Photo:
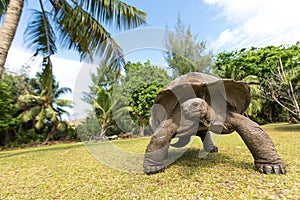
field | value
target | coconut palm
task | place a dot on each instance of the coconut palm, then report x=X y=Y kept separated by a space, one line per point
x=13 y=10
x=46 y=107
x=75 y=24
x=105 y=104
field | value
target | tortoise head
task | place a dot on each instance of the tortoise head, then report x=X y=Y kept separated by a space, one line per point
x=197 y=109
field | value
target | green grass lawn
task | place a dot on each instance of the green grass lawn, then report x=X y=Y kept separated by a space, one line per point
x=69 y=171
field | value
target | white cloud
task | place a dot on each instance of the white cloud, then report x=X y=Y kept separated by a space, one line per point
x=66 y=71
x=257 y=23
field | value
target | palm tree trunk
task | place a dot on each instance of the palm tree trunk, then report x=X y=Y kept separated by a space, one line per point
x=8 y=29
x=52 y=132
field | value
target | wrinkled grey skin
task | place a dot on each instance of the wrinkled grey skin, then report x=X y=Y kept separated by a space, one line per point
x=195 y=104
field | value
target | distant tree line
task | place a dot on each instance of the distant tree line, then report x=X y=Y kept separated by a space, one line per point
x=32 y=109
x=272 y=72
x=34 y=114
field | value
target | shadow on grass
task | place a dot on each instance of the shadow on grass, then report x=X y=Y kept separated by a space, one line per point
x=11 y=153
x=190 y=160
x=288 y=128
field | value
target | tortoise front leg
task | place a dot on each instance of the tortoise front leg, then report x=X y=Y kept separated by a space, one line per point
x=259 y=143
x=157 y=150
x=208 y=144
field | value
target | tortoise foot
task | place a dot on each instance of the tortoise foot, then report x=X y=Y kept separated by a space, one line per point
x=204 y=152
x=152 y=166
x=214 y=150
x=271 y=168
x=153 y=169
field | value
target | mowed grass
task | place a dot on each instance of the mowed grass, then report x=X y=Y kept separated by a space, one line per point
x=70 y=171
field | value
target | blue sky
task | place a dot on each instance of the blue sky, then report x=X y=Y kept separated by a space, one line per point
x=223 y=24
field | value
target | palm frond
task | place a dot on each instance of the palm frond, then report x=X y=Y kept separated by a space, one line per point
x=120 y=111
x=40 y=119
x=30 y=114
x=52 y=115
x=96 y=106
x=64 y=103
x=3 y=8
x=114 y=13
x=47 y=77
x=80 y=31
x=62 y=111
x=39 y=34
x=61 y=91
x=28 y=101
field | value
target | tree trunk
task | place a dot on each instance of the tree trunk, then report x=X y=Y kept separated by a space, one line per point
x=270 y=114
x=8 y=29
x=287 y=114
x=142 y=130
x=52 y=132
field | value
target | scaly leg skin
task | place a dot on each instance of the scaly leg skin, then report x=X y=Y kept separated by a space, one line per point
x=208 y=144
x=157 y=150
x=259 y=143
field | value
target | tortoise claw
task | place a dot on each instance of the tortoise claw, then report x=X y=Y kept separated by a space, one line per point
x=271 y=168
x=153 y=169
x=268 y=169
x=282 y=167
x=214 y=150
x=276 y=170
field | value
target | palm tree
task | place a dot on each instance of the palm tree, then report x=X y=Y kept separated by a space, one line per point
x=13 y=10
x=75 y=24
x=104 y=101
x=45 y=108
x=103 y=106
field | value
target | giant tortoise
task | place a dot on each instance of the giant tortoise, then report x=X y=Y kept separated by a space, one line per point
x=197 y=103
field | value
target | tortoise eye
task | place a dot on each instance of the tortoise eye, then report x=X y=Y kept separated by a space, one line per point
x=195 y=104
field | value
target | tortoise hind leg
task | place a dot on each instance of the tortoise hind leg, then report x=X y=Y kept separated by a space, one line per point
x=208 y=144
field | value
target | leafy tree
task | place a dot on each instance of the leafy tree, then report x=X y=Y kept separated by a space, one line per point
x=16 y=84
x=7 y=110
x=79 y=25
x=140 y=85
x=277 y=71
x=141 y=102
x=185 y=53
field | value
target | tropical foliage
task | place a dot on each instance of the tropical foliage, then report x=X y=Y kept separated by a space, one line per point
x=140 y=85
x=76 y=25
x=46 y=108
x=79 y=25
x=277 y=71
x=103 y=102
x=30 y=111
x=7 y=110
x=185 y=53
x=122 y=104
